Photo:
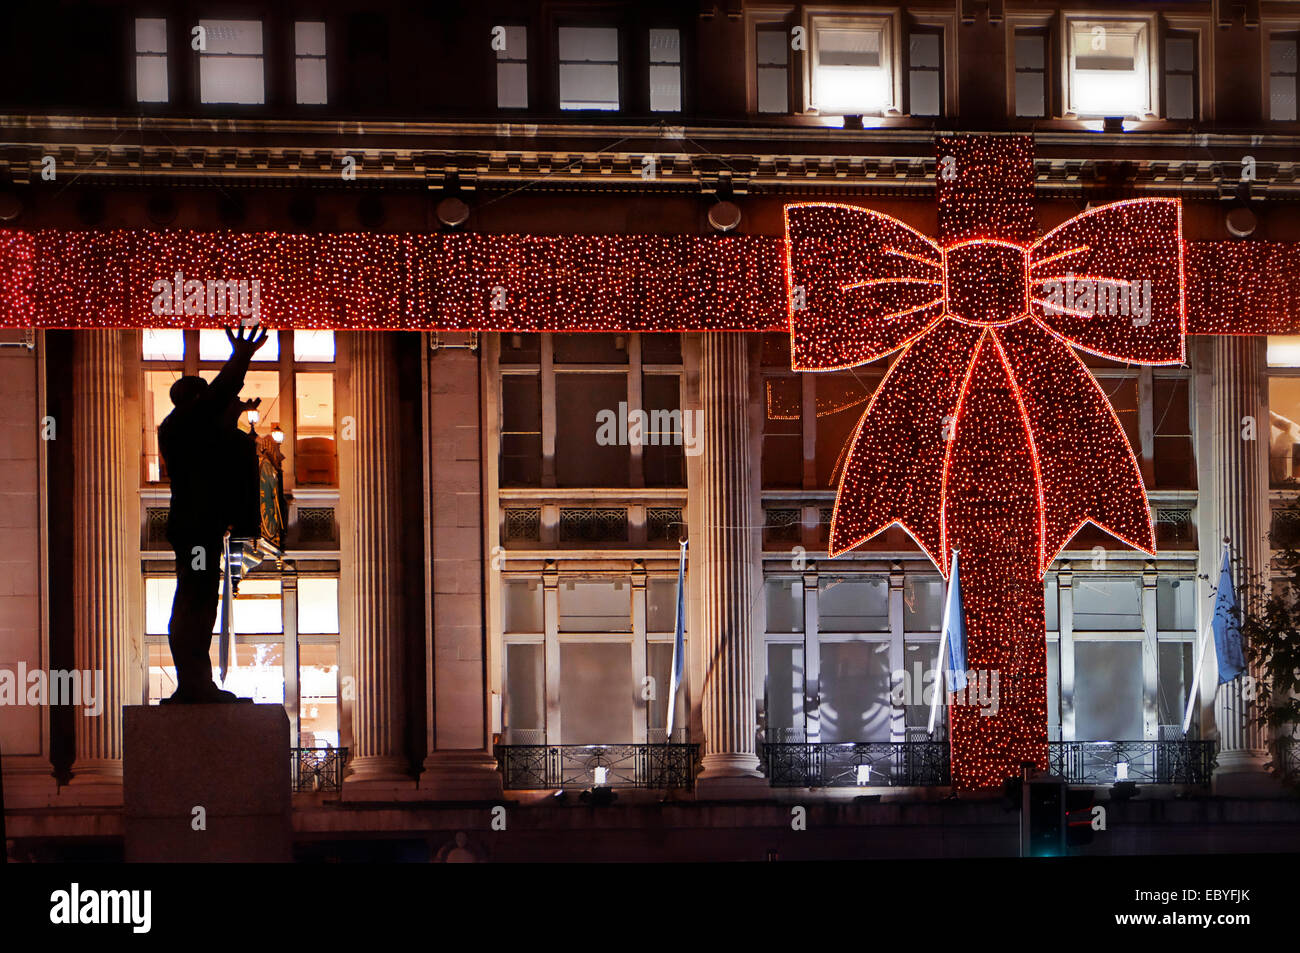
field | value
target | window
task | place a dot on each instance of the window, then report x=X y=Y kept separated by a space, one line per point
x=852 y=604
x=783 y=695
x=309 y=63
x=512 y=69
x=1108 y=690
x=1282 y=65
x=784 y=601
x=316 y=460
x=852 y=68
x=772 y=65
x=589 y=68
x=1284 y=435
x=782 y=461
x=230 y=65
x=854 y=680
x=1031 y=73
x=925 y=73
x=1180 y=76
x=1175 y=463
x=665 y=71
x=150 y=60
x=1107 y=604
x=1110 y=72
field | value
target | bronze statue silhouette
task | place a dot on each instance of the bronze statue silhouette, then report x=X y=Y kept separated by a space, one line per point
x=213 y=469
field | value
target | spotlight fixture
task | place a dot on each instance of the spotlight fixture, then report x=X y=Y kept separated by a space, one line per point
x=452 y=212
x=1241 y=222
x=724 y=216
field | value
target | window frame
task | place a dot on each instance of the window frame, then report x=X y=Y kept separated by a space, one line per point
x=1267 y=30
x=1146 y=45
x=621 y=65
x=498 y=60
x=137 y=55
x=884 y=20
x=262 y=59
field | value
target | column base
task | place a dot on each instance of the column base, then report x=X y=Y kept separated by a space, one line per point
x=461 y=776
x=731 y=777
x=95 y=782
x=378 y=778
x=29 y=785
x=1241 y=773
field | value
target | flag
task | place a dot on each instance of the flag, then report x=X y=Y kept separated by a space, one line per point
x=679 y=636
x=1229 y=645
x=954 y=630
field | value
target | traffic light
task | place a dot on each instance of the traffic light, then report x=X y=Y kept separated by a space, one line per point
x=1078 y=816
x=1044 y=806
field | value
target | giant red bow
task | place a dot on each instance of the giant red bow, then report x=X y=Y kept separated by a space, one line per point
x=1108 y=281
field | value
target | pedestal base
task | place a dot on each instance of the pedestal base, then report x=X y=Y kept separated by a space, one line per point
x=207 y=783
x=1242 y=774
x=731 y=777
x=461 y=776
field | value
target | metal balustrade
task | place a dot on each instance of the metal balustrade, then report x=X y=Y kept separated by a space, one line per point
x=316 y=769
x=1170 y=761
x=656 y=766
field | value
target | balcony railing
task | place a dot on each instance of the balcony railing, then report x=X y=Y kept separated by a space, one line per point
x=1145 y=762
x=856 y=764
x=1287 y=758
x=316 y=769
x=655 y=766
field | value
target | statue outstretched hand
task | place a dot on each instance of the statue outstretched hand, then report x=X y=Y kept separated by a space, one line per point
x=246 y=347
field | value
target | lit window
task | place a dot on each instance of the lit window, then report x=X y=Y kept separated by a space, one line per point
x=773 y=70
x=230 y=66
x=162 y=344
x=1031 y=74
x=214 y=346
x=150 y=60
x=595 y=605
x=1180 y=76
x=318 y=605
x=588 y=67
x=665 y=71
x=315 y=460
x=318 y=694
x=1110 y=72
x=512 y=69
x=1284 y=350
x=1282 y=66
x=1284 y=429
x=309 y=63
x=851 y=67
x=925 y=73
x=312 y=345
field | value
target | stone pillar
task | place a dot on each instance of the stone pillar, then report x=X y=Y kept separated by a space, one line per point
x=724 y=560
x=1242 y=510
x=459 y=765
x=378 y=720
x=101 y=591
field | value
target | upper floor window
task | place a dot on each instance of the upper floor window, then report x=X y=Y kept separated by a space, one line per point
x=852 y=71
x=925 y=73
x=1109 y=67
x=512 y=68
x=309 y=63
x=231 y=62
x=1031 y=73
x=665 y=71
x=1180 y=76
x=1282 y=66
x=150 y=60
x=772 y=68
x=589 y=68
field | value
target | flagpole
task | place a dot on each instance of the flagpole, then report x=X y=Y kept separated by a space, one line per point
x=1200 y=664
x=940 y=683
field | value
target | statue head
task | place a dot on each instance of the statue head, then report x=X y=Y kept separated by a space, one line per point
x=187 y=389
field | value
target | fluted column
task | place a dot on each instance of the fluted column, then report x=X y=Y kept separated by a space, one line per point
x=1243 y=517
x=100 y=572
x=725 y=563
x=378 y=719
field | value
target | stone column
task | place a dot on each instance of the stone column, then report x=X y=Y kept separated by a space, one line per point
x=459 y=765
x=1242 y=510
x=378 y=718
x=101 y=591
x=724 y=560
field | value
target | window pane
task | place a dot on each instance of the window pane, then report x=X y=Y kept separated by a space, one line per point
x=1176 y=604
x=525 y=708
x=773 y=91
x=1030 y=98
x=663 y=450
x=318 y=693
x=257 y=384
x=783 y=432
x=1107 y=604
x=512 y=85
x=1281 y=97
x=214 y=346
x=314 y=458
x=233 y=36
x=855 y=691
x=150 y=35
x=1107 y=691
x=591 y=447
x=665 y=46
x=258 y=608
x=590 y=349
x=596 y=693
x=924 y=50
x=784 y=693
x=312 y=345
x=665 y=89
x=595 y=606
x=521 y=430
x=771 y=47
x=1052 y=603
x=661 y=604
x=231 y=79
x=784 y=599
x=1281 y=55
x=659 y=666
x=318 y=605
x=163 y=344
x=837 y=47
x=1054 y=690
x=256 y=672
x=516 y=47
x=1029 y=51
x=589 y=43
x=1284 y=350
x=1178 y=97
x=924 y=92
x=1175 y=666
x=151 y=79
x=1284 y=430
x=162 y=672
x=310 y=82
x=923 y=604
x=158 y=595
x=852 y=604
x=156 y=405
x=1175 y=464
x=523 y=605
x=309 y=38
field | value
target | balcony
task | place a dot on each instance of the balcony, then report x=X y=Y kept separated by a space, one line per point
x=1145 y=762
x=655 y=766
x=316 y=769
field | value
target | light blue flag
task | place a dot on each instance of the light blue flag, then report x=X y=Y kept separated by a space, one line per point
x=1229 y=645
x=679 y=637
x=954 y=628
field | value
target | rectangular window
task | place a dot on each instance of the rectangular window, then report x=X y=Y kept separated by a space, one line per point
x=853 y=604
x=661 y=604
x=512 y=69
x=784 y=703
x=851 y=66
x=312 y=345
x=855 y=696
x=1107 y=604
x=1110 y=72
x=310 y=79
x=589 y=68
x=1031 y=73
x=595 y=704
x=150 y=60
x=1180 y=76
x=157 y=404
x=525 y=708
x=665 y=71
x=230 y=67
x=782 y=462
x=662 y=451
x=1282 y=66
x=318 y=694
x=521 y=430
x=591 y=447
x=784 y=601
x=1284 y=431
x=314 y=459
x=659 y=666
x=318 y=605
x=925 y=73
x=523 y=606
x=1174 y=464
x=215 y=346
x=1107 y=691
x=1174 y=666
x=923 y=604
x=1176 y=604
x=595 y=605
x=772 y=63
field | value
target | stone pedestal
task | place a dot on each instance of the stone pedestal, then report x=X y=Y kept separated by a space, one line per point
x=230 y=760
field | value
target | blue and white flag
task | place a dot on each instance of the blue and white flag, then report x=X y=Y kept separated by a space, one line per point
x=679 y=636
x=954 y=630
x=1229 y=645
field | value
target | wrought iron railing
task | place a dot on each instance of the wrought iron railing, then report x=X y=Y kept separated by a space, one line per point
x=1287 y=758
x=1145 y=762
x=317 y=769
x=856 y=764
x=583 y=766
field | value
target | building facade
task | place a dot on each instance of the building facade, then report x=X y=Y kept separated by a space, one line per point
x=477 y=596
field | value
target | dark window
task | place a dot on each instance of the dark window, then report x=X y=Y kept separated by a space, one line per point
x=512 y=68
x=1180 y=76
x=1282 y=62
x=591 y=446
x=662 y=453
x=590 y=348
x=1031 y=73
x=1175 y=463
x=841 y=402
x=782 y=432
x=521 y=430
x=665 y=71
x=773 y=70
x=925 y=73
